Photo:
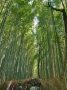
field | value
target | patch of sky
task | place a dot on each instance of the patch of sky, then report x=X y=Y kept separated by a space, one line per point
x=36 y=21
x=30 y=2
x=46 y=0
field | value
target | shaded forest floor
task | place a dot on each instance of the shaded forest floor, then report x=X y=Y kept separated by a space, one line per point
x=50 y=84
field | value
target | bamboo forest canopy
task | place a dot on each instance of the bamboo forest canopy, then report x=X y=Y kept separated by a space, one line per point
x=32 y=39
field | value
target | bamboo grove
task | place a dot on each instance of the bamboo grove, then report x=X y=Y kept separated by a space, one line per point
x=32 y=39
